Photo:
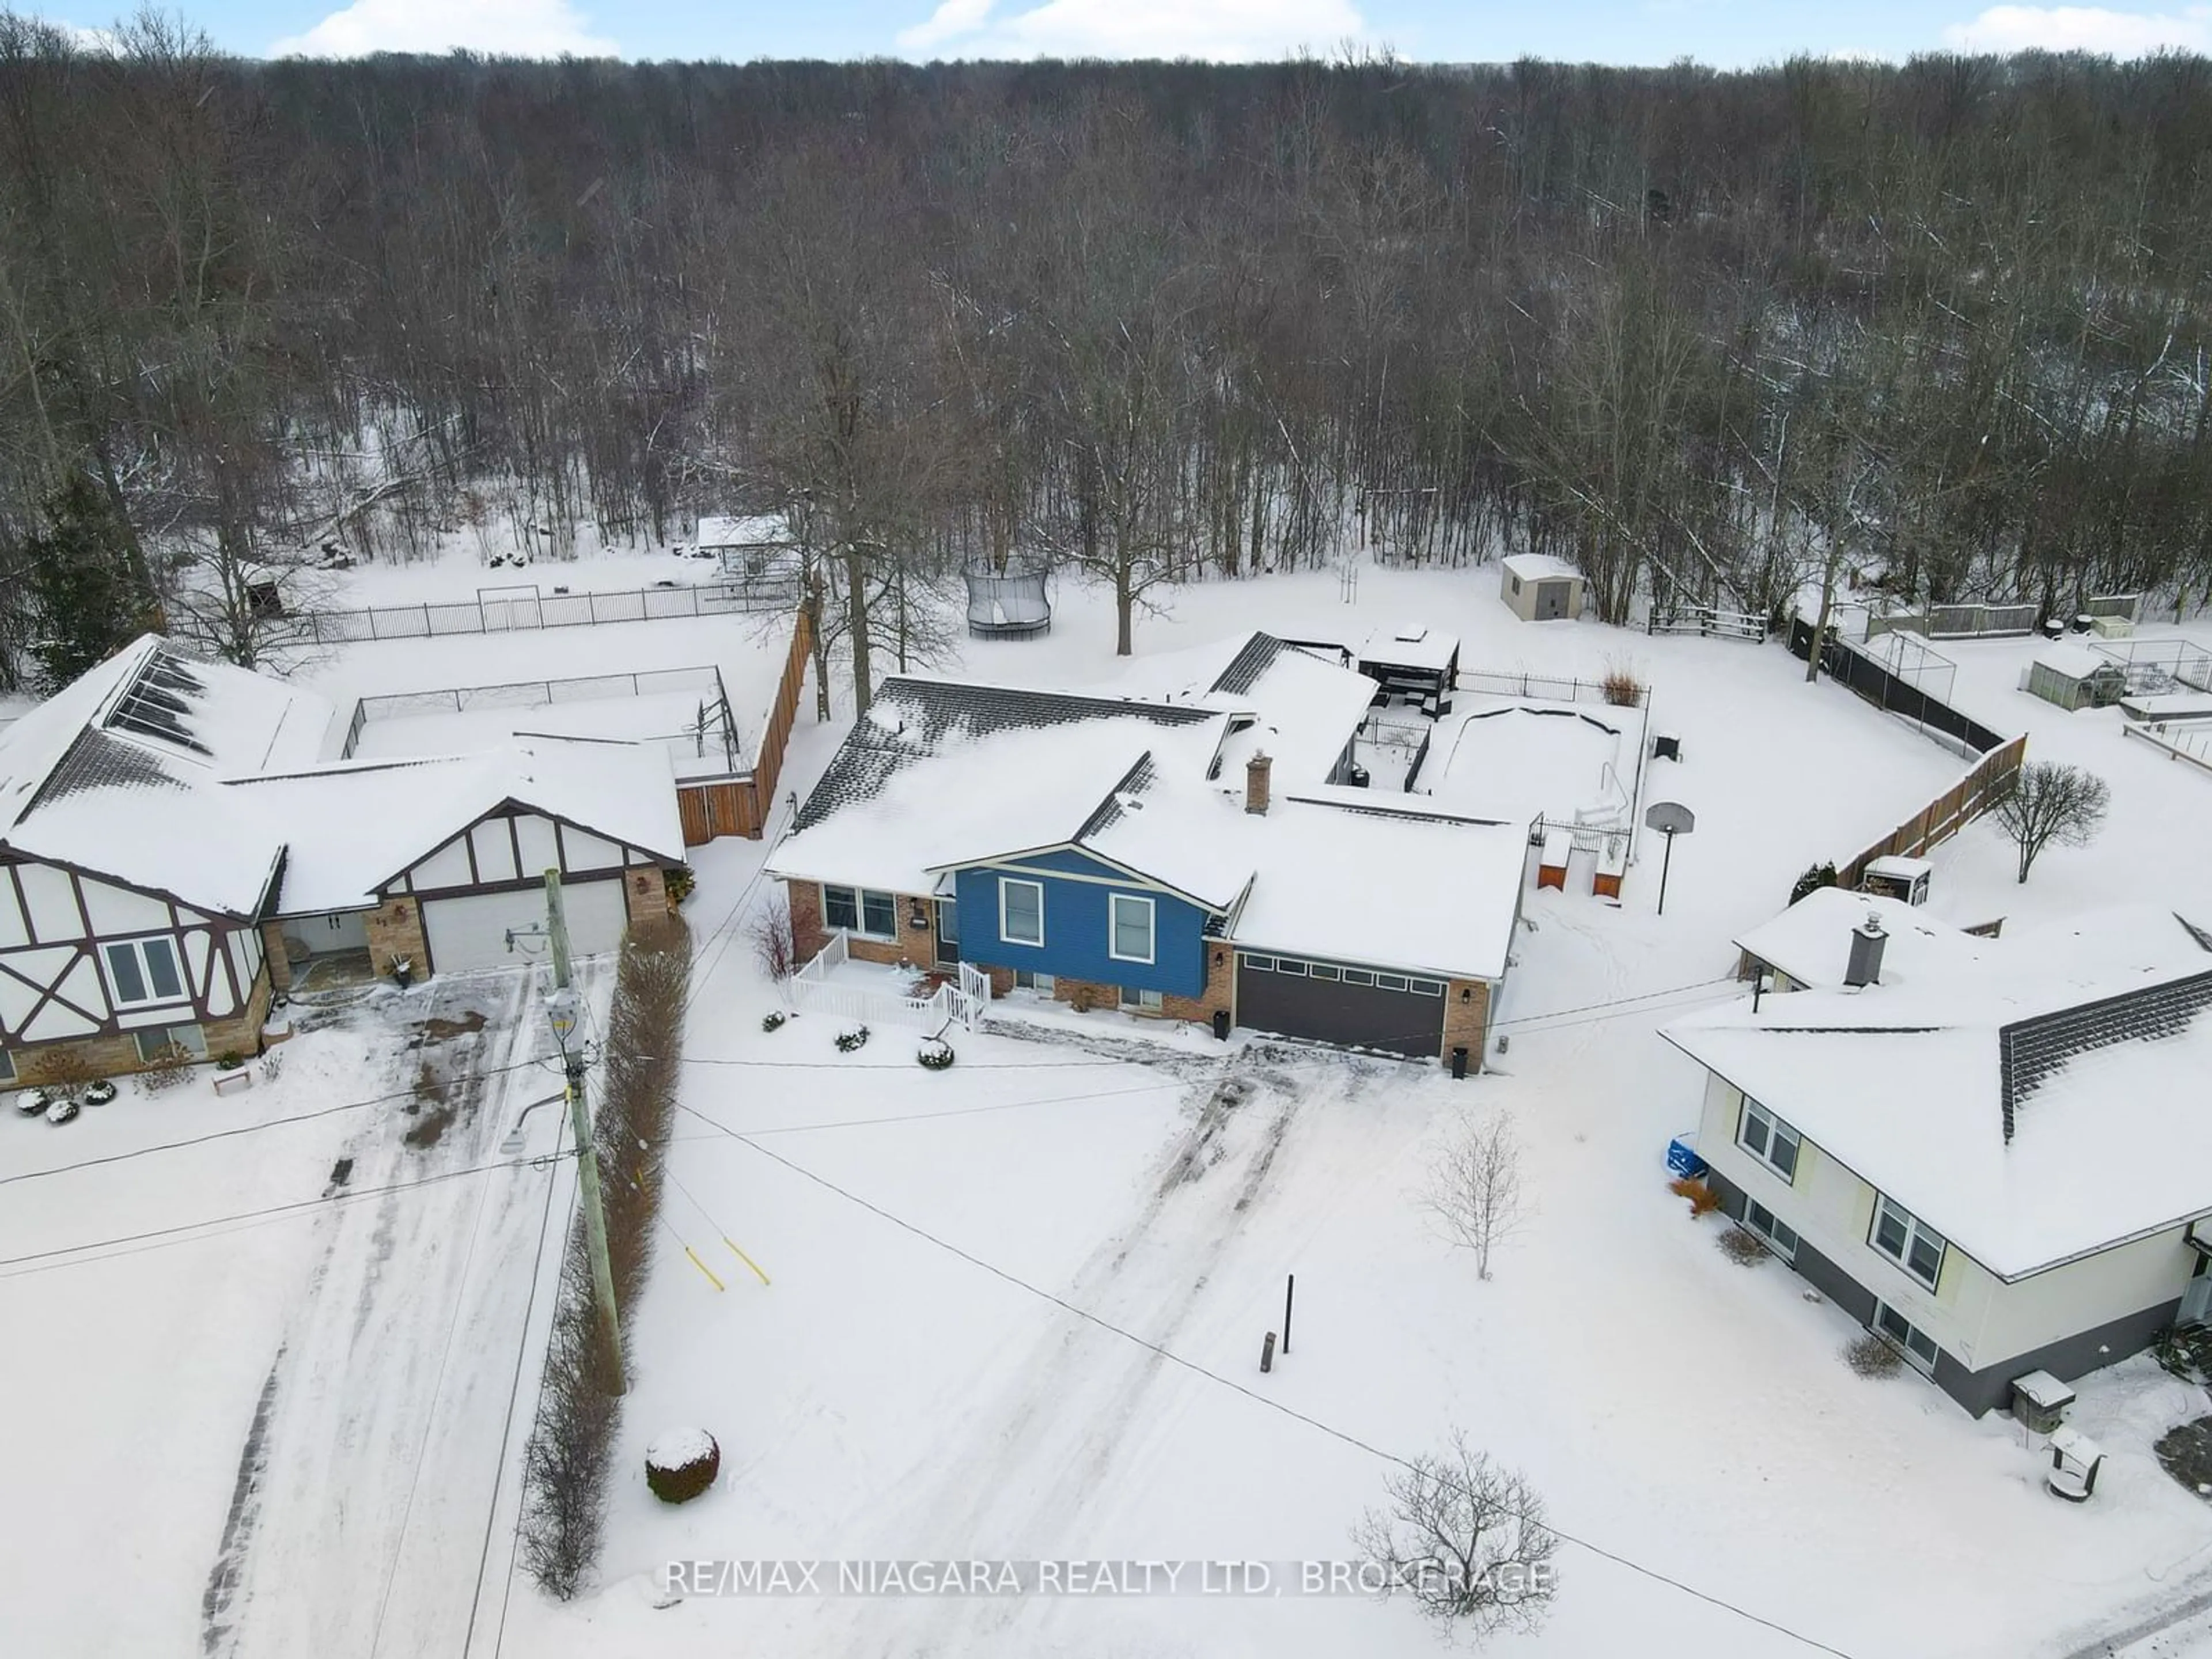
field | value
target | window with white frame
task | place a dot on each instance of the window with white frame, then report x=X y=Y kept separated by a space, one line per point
x=1136 y=997
x=878 y=914
x=860 y=910
x=1910 y=1242
x=1128 y=927
x=142 y=970
x=1021 y=911
x=1772 y=1228
x=1916 y=1344
x=157 y=1042
x=1768 y=1139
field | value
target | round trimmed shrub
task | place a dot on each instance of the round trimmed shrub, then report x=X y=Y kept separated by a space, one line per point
x=681 y=1464
x=100 y=1093
x=935 y=1055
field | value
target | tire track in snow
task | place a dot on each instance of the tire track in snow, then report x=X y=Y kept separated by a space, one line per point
x=1024 y=1475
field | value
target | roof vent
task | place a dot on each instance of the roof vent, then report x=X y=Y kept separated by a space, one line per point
x=1868 y=941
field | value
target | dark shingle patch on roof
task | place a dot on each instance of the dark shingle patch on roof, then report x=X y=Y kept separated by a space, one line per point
x=2204 y=939
x=96 y=761
x=2030 y=1050
x=159 y=700
x=1246 y=667
x=1133 y=783
x=911 y=719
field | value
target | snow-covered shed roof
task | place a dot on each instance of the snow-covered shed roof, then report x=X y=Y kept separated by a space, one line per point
x=118 y=774
x=352 y=827
x=2074 y=661
x=745 y=530
x=1811 y=941
x=1540 y=567
x=2038 y=1105
x=1410 y=645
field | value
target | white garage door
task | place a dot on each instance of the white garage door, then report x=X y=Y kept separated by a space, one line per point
x=469 y=933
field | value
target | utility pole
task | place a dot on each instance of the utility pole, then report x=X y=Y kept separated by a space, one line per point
x=562 y=1009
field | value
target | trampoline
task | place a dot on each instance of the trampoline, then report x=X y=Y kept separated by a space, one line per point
x=1009 y=603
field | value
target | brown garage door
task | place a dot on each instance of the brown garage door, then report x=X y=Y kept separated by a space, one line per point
x=1335 y=1002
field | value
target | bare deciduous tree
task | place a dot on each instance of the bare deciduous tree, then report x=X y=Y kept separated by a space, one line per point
x=1466 y=1537
x=2050 y=802
x=1475 y=1189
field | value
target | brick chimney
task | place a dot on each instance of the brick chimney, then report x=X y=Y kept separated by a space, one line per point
x=1256 y=773
x=1867 y=942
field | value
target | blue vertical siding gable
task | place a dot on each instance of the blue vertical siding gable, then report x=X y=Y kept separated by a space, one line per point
x=1077 y=926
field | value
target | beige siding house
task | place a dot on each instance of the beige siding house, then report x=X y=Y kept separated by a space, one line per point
x=2001 y=1168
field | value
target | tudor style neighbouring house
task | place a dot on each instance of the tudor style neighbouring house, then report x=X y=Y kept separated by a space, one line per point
x=169 y=846
x=1999 y=1158
x=1198 y=856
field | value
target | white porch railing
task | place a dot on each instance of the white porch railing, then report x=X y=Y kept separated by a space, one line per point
x=813 y=992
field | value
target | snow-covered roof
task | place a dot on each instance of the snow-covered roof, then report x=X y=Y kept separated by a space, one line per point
x=351 y=828
x=1305 y=708
x=1410 y=645
x=1811 y=941
x=940 y=772
x=2074 y=661
x=747 y=529
x=2041 y=1102
x=1899 y=867
x=118 y=774
x=1540 y=567
x=939 y=775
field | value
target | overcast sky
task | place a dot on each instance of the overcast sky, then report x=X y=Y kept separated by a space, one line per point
x=1726 y=32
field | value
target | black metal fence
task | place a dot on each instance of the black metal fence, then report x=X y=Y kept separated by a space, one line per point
x=507 y=611
x=1892 y=687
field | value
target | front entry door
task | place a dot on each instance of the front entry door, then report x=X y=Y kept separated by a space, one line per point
x=2197 y=1300
x=948 y=931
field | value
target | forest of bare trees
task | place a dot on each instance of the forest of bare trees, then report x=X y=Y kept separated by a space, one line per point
x=1944 y=325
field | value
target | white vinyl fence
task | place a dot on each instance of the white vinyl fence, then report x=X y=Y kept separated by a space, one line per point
x=814 y=992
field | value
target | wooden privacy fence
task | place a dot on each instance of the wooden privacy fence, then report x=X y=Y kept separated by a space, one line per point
x=743 y=805
x=1982 y=788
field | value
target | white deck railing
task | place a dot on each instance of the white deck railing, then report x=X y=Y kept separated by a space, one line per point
x=814 y=992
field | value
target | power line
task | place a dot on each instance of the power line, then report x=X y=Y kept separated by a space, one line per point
x=1310 y=1421
x=42 y=1260
x=244 y=1129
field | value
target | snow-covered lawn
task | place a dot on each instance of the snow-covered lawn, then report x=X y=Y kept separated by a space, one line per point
x=1015 y=1307
x=917 y=1381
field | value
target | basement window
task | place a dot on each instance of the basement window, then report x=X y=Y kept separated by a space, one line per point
x=1772 y=1228
x=1909 y=1339
x=159 y=1042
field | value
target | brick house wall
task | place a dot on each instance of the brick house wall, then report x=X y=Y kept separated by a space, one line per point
x=1220 y=993
x=810 y=933
x=1466 y=1020
x=395 y=931
x=117 y=1055
x=645 y=889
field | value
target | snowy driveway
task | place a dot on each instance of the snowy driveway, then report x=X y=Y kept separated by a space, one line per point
x=365 y=1489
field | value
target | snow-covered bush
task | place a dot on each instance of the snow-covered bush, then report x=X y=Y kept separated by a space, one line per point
x=1746 y=1250
x=1869 y=1356
x=855 y=1038
x=773 y=1020
x=681 y=1464
x=100 y=1093
x=935 y=1054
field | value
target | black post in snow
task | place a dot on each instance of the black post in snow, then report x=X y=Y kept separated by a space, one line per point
x=1290 y=1289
